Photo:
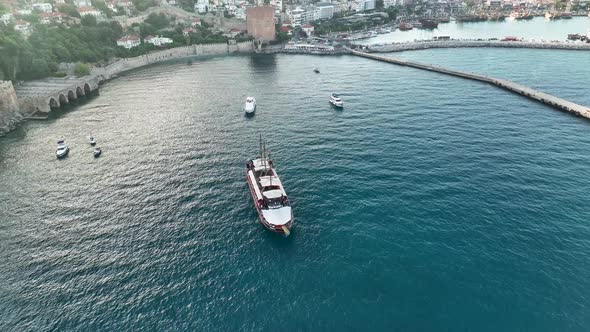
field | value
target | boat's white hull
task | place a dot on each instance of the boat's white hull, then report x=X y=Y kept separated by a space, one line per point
x=251 y=110
x=336 y=104
x=62 y=153
x=250 y=105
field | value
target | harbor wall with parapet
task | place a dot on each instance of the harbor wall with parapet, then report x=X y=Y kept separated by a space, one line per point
x=9 y=108
x=122 y=65
x=422 y=45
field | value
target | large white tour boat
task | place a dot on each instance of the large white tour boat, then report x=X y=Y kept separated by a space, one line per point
x=270 y=199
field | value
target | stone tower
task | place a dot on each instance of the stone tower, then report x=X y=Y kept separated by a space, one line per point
x=9 y=114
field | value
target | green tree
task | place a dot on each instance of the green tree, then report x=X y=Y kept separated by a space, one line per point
x=147 y=30
x=81 y=69
x=102 y=6
x=69 y=9
x=88 y=20
x=158 y=21
x=142 y=5
x=379 y=4
x=39 y=68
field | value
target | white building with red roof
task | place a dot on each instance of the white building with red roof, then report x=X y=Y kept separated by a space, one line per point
x=23 y=27
x=54 y=17
x=82 y=3
x=43 y=7
x=157 y=40
x=84 y=11
x=308 y=29
x=129 y=41
x=187 y=31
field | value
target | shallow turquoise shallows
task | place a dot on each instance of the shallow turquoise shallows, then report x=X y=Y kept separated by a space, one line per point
x=429 y=203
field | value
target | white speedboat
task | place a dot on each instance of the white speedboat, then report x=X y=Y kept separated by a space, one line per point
x=91 y=140
x=250 y=105
x=97 y=152
x=270 y=199
x=62 y=149
x=336 y=101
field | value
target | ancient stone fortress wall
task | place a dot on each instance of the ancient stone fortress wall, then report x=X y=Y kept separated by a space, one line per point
x=122 y=65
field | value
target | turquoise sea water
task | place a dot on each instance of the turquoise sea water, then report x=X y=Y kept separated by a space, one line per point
x=430 y=203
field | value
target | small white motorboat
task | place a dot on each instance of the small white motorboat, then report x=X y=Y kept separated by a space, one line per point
x=97 y=152
x=250 y=105
x=62 y=149
x=91 y=140
x=336 y=101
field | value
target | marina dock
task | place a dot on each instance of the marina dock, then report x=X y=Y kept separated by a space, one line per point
x=522 y=90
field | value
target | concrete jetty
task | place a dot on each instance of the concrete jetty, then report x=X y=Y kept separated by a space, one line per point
x=542 y=97
x=467 y=43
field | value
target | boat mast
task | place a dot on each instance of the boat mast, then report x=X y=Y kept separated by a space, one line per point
x=272 y=173
x=264 y=156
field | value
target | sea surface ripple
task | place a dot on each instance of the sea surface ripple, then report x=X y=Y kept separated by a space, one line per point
x=430 y=203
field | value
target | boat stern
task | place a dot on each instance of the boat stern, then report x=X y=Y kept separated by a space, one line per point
x=279 y=220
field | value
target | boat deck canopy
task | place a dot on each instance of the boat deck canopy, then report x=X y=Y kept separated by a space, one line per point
x=266 y=181
x=259 y=166
x=256 y=189
x=275 y=193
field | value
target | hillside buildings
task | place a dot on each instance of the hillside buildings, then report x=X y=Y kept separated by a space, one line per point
x=157 y=40
x=363 y=5
x=91 y=11
x=201 y=6
x=323 y=11
x=42 y=7
x=129 y=41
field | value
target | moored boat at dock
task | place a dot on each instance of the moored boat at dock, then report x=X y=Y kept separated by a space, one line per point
x=270 y=199
x=429 y=23
x=405 y=26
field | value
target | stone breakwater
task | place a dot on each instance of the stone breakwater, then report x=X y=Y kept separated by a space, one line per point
x=42 y=95
x=422 y=45
x=522 y=90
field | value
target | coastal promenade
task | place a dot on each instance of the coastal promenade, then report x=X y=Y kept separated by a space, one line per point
x=465 y=43
x=522 y=90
